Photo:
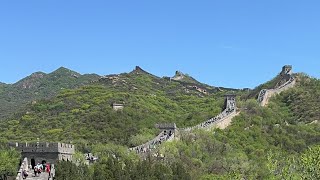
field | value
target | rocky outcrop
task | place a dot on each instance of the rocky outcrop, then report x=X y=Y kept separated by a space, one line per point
x=178 y=76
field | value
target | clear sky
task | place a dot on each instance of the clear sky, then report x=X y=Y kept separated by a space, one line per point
x=229 y=43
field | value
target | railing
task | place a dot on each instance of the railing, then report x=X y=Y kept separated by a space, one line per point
x=23 y=167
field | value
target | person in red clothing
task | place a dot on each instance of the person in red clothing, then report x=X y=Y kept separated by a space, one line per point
x=48 y=169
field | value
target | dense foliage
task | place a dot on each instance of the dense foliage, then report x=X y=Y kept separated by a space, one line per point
x=85 y=116
x=9 y=161
x=112 y=168
x=39 y=85
x=242 y=150
x=280 y=141
x=304 y=100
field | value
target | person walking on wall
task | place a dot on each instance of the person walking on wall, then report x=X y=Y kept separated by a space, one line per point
x=48 y=169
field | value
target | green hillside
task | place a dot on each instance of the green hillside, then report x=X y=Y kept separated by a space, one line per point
x=261 y=143
x=84 y=115
x=39 y=85
x=280 y=141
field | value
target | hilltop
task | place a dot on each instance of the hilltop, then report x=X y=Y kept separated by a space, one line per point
x=37 y=86
x=40 y=85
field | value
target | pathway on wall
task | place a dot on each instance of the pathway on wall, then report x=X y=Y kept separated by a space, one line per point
x=220 y=120
x=152 y=144
x=31 y=176
x=43 y=176
x=266 y=94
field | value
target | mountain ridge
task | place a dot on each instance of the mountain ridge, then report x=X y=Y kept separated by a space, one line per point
x=39 y=85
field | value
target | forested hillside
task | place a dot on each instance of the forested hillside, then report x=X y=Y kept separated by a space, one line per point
x=85 y=115
x=280 y=141
x=39 y=85
x=273 y=142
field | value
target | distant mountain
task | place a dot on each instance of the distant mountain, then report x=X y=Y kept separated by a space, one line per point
x=193 y=84
x=39 y=85
x=142 y=81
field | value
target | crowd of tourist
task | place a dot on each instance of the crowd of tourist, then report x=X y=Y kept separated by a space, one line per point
x=147 y=147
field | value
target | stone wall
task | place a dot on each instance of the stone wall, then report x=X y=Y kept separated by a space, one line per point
x=152 y=144
x=266 y=94
x=38 y=157
x=226 y=121
x=287 y=81
x=169 y=130
x=221 y=120
x=23 y=167
x=44 y=151
x=43 y=147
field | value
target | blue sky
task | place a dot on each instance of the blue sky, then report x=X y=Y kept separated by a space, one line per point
x=223 y=43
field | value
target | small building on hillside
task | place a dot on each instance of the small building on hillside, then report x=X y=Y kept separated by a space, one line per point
x=117 y=106
x=39 y=152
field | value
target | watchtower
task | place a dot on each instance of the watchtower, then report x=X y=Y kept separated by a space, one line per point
x=285 y=75
x=230 y=102
x=169 y=128
x=39 y=152
x=287 y=69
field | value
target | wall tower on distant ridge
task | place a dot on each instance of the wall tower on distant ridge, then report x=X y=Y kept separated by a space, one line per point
x=287 y=69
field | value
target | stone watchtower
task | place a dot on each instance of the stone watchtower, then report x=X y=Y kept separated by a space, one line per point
x=287 y=69
x=167 y=128
x=230 y=102
x=39 y=152
x=285 y=75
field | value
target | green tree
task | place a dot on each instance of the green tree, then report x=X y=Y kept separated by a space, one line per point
x=9 y=161
x=310 y=162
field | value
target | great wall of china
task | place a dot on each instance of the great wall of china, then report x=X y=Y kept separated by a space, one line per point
x=290 y=81
x=170 y=132
x=222 y=120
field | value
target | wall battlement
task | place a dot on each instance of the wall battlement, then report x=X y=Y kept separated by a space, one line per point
x=287 y=69
x=44 y=147
x=44 y=151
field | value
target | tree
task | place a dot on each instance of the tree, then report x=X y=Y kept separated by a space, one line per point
x=310 y=162
x=9 y=161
